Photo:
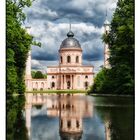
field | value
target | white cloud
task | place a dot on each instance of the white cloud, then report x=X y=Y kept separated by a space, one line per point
x=51 y=32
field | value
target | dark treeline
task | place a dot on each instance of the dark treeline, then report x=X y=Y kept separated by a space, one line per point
x=120 y=78
x=38 y=75
x=18 y=43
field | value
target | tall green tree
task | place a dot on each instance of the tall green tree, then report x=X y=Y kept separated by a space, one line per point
x=120 y=78
x=18 y=43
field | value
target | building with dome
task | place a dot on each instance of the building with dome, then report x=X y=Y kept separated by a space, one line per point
x=68 y=74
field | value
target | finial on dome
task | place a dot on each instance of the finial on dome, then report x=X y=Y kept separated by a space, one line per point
x=70 y=25
x=70 y=33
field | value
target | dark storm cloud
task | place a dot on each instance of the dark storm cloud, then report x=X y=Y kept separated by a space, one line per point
x=83 y=11
x=44 y=56
x=49 y=21
x=93 y=55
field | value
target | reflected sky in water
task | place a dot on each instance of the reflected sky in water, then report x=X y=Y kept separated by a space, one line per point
x=77 y=117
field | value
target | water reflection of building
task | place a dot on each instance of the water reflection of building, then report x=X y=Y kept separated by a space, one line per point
x=70 y=109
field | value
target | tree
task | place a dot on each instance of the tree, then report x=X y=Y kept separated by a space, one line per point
x=38 y=75
x=121 y=42
x=33 y=74
x=120 y=78
x=101 y=82
x=18 y=43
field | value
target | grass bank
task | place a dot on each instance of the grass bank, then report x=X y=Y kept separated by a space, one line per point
x=59 y=91
x=109 y=95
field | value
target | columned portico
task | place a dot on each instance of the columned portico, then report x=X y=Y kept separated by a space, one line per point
x=67 y=81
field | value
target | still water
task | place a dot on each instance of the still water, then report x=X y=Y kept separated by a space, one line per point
x=79 y=117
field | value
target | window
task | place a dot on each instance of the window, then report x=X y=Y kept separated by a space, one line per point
x=86 y=76
x=68 y=59
x=77 y=59
x=52 y=77
x=86 y=85
x=42 y=85
x=36 y=85
x=61 y=60
x=53 y=84
x=69 y=124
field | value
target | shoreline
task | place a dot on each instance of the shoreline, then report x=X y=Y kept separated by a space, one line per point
x=78 y=92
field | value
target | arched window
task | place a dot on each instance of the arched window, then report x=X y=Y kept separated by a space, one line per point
x=86 y=85
x=42 y=85
x=68 y=59
x=36 y=85
x=52 y=77
x=61 y=59
x=53 y=84
x=86 y=76
x=77 y=59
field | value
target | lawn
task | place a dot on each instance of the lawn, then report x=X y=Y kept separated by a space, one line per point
x=58 y=91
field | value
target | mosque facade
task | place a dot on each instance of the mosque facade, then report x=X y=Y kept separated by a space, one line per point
x=70 y=73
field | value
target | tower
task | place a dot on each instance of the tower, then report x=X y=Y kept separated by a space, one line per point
x=106 y=46
x=28 y=76
x=70 y=74
x=70 y=54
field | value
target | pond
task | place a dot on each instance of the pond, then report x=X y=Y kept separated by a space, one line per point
x=79 y=117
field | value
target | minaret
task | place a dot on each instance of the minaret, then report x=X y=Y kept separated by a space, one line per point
x=106 y=46
x=28 y=76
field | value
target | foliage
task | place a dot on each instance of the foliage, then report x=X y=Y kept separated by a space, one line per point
x=33 y=73
x=45 y=75
x=120 y=78
x=100 y=81
x=18 y=43
x=38 y=75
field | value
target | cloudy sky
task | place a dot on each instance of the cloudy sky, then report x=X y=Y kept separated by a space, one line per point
x=49 y=21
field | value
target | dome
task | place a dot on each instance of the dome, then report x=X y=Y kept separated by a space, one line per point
x=70 y=41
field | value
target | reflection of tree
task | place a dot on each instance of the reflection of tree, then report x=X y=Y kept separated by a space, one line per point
x=21 y=133
x=119 y=127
